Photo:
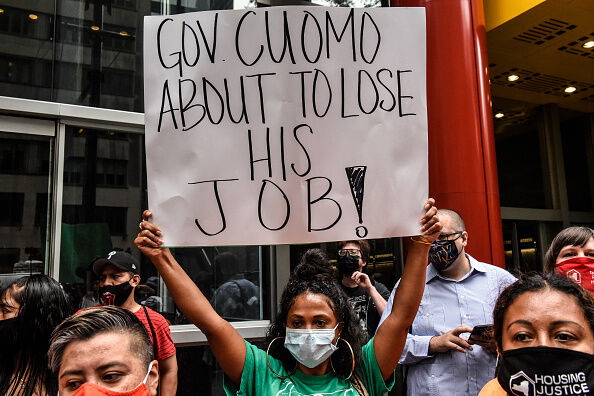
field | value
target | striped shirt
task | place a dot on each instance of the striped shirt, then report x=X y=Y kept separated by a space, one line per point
x=165 y=347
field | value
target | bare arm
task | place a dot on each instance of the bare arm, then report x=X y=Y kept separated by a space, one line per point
x=227 y=345
x=168 y=376
x=391 y=336
x=364 y=282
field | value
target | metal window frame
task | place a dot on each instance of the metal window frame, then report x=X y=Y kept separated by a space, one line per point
x=190 y=335
x=50 y=119
x=35 y=127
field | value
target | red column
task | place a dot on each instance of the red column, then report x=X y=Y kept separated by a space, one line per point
x=462 y=165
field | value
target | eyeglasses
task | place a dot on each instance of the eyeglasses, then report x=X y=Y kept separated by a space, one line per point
x=450 y=237
x=350 y=252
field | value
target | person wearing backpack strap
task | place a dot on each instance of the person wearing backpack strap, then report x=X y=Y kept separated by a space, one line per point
x=119 y=276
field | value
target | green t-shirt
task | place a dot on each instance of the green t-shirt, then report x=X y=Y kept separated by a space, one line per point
x=257 y=379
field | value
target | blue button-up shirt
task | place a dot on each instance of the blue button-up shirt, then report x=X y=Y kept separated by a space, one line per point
x=447 y=304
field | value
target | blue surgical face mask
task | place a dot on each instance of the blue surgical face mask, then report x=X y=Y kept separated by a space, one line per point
x=310 y=347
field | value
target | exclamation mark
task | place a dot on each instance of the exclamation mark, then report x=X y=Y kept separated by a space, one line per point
x=356 y=177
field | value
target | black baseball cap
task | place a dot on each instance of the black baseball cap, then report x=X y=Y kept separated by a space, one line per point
x=121 y=260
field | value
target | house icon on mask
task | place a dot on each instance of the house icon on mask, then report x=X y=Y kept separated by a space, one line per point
x=522 y=385
x=575 y=276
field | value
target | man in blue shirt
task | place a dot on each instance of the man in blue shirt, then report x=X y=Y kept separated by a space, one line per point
x=460 y=293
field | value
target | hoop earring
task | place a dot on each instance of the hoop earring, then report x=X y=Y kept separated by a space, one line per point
x=268 y=362
x=352 y=356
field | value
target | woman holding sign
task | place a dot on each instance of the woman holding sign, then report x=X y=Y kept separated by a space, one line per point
x=322 y=350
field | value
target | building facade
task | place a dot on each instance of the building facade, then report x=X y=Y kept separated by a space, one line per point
x=73 y=172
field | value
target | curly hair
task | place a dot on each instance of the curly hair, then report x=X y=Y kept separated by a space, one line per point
x=535 y=282
x=314 y=274
x=43 y=305
x=570 y=236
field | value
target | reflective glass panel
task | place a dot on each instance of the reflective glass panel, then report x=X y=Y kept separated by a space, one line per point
x=384 y=265
x=25 y=185
x=233 y=279
x=521 y=164
x=103 y=198
x=578 y=158
x=80 y=52
x=525 y=244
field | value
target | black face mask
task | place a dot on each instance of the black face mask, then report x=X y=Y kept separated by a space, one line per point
x=347 y=264
x=8 y=326
x=115 y=295
x=442 y=254
x=546 y=371
x=8 y=329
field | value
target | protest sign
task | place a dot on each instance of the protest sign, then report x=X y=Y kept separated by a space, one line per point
x=286 y=124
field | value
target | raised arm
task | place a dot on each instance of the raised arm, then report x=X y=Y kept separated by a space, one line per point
x=363 y=281
x=227 y=345
x=391 y=336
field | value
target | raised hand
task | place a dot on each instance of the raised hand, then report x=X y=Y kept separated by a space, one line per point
x=149 y=239
x=430 y=225
x=362 y=280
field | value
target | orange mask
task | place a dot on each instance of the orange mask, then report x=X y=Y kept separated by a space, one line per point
x=91 y=389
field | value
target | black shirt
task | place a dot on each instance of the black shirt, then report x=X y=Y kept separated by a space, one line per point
x=364 y=307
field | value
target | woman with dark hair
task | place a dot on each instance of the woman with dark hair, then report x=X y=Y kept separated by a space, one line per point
x=32 y=307
x=544 y=332
x=571 y=255
x=315 y=346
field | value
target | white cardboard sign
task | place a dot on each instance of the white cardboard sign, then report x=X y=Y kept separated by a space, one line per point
x=286 y=124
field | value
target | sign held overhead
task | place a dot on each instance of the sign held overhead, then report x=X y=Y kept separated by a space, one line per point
x=286 y=124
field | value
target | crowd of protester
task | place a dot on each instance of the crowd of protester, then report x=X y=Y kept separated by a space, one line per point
x=455 y=325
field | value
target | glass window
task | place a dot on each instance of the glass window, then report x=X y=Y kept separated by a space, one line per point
x=578 y=158
x=25 y=185
x=521 y=168
x=103 y=199
x=525 y=244
x=80 y=52
x=352 y=3
x=233 y=278
x=385 y=261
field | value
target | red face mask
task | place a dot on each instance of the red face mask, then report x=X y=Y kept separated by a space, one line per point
x=90 y=389
x=580 y=270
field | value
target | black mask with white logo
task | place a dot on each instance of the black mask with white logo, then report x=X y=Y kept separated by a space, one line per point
x=347 y=264
x=115 y=295
x=544 y=370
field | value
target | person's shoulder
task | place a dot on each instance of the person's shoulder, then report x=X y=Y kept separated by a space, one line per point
x=486 y=267
x=155 y=316
x=492 y=388
x=499 y=275
x=229 y=287
x=494 y=268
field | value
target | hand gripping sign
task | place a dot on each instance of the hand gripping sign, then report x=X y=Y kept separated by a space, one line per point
x=286 y=124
